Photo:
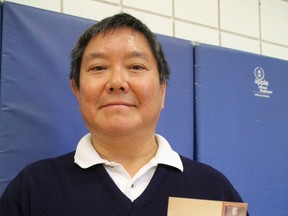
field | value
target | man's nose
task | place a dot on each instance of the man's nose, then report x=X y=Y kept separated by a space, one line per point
x=117 y=82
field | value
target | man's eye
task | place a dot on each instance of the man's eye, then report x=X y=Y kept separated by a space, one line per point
x=137 y=67
x=97 y=68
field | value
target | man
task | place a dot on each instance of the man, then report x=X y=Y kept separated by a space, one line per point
x=119 y=75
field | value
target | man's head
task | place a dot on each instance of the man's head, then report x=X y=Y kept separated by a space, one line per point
x=112 y=24
x=119 y=77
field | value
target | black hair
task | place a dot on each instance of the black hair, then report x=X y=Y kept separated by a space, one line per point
x=113 y=23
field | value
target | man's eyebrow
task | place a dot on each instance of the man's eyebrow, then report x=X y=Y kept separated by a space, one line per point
x=94 y=55
x=101 y=55
x=138 y=54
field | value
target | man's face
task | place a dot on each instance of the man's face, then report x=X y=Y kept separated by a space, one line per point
x=120 y=92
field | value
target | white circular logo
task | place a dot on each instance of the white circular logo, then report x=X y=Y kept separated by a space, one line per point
x=259 y=73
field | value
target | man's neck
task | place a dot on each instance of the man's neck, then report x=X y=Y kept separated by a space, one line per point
x=131 y=153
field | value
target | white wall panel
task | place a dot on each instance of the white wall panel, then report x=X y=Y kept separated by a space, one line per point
x=196 y=33
x=163 y=7
x=111 y=1
x=240 y=43
x=275 y=51
x=89 y=9
x=240 y=16
x=52 y=5
x=204 y=12
x=274 y=17
x=157 y=24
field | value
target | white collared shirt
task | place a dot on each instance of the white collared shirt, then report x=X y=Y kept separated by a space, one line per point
x=86 y=156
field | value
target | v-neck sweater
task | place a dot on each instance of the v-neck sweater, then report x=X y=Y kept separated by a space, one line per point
x=58 y=187
x=87 y=156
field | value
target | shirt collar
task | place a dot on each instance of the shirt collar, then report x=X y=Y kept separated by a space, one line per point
x=166 y=155
x=86 y=156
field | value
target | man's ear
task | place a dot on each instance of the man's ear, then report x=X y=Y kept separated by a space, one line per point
x=74 y=88
x=163 y=89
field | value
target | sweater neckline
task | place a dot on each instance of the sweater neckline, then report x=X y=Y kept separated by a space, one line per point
x=122 y=199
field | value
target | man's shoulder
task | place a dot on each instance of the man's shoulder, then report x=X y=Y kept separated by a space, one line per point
x=202 y=181
x=203 y=171
x=192 y=164
x=45 y=166
x=43 y=172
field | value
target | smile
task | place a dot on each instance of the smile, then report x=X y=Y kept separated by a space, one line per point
x=117 y=105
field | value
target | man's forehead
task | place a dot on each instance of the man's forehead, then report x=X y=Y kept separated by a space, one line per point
x=96 y=48
x=131 y=54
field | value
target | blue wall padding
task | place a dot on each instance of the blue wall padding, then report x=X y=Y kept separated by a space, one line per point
x=0 y=50
x=176 y=121
x=241 y=131
x=40 y=116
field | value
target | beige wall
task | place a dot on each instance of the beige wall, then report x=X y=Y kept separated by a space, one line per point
x=258 y=26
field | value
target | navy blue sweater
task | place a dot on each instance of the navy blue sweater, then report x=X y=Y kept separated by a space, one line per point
x=58 y=187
